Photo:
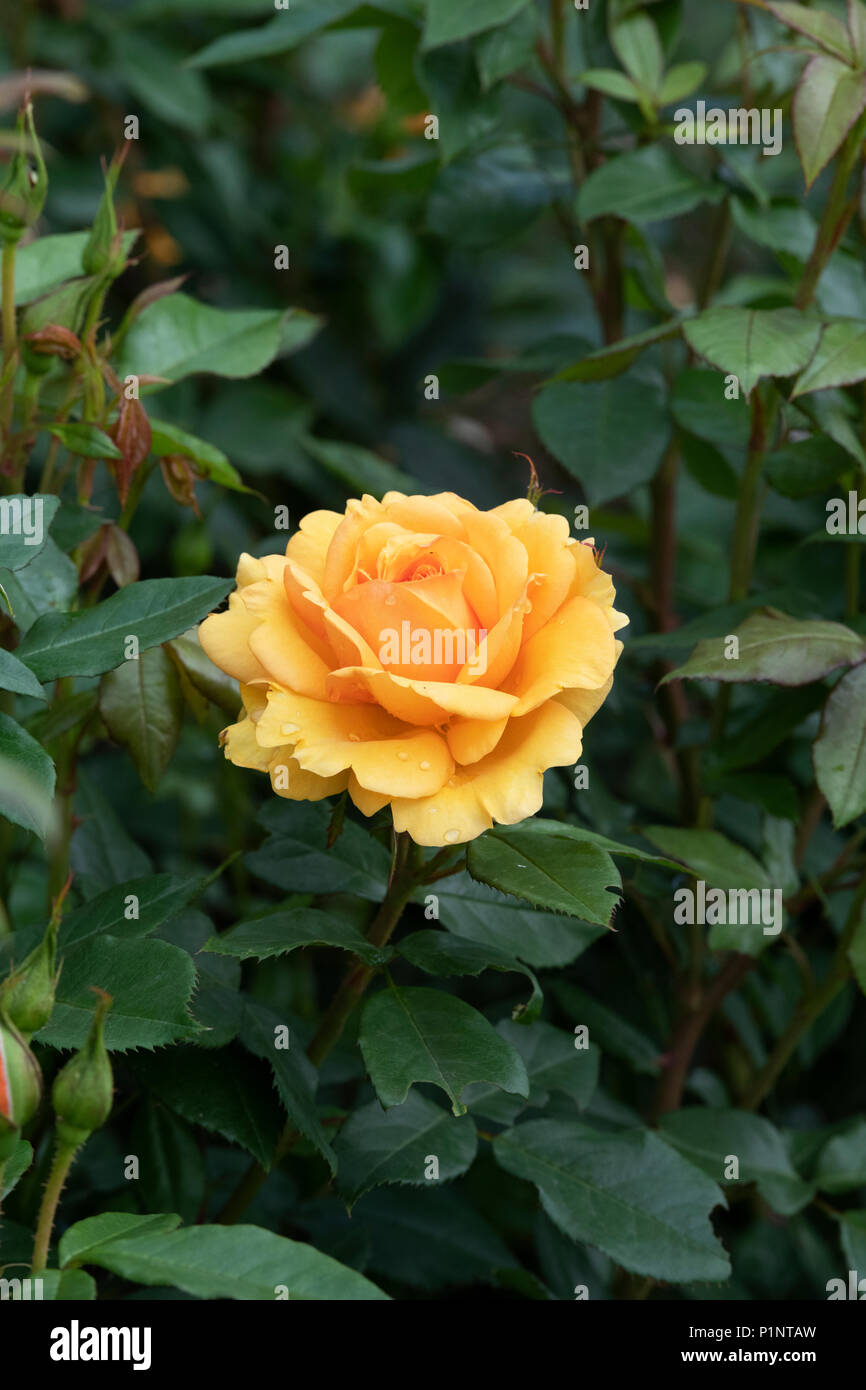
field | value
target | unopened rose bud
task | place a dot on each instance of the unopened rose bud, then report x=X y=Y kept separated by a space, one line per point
x=20 y=1078
x=82 y=1091
x=28 y=995
x=62 y=308
x=22 y=193
x=103 y=255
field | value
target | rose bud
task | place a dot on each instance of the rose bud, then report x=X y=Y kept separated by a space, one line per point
x=103 y=255
x=20 y=1079
x=23 y=190
x=82 y=1091
x=64 y=307
x=28 y=994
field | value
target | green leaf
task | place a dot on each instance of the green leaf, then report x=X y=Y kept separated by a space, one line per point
x=828 y=101
x=87 y=440
x=50 y=260
x=294 y=1076
x=617 y=357
x=484 y=197
x=15 y=1167
x=26 y=779
x=103 y=853
x=839 y=360
x=680 y=81
x=142 y=63
x=642 y=186
x=171 y=1167
x=753 y=343
x=241 y=1262
x=295 y=857
x=553 y=1063
x=67 y=1286
x=95 y=1232
x=699 y=405
x=550 y=871
x=823 y=28
x=478 y=913
x=177 y=336
x=775 y=648
x=624 y=431
x=277 y=933
x=612 y=1032
x=24 y=526
x=210 y=462
x=141 y=706
x=283 y=33
x=852 y=1231
x=410 y=1035
x=635 y=41
x=449 y=21
x=709 y=1138
x=711 y=856
x=842 y=1161
x=134 y=908
x=378 y=1146
x=18 y=678
x=227 y=1092
x=502 y=51
x=806 y=468
x=538 y=825
x=93 y=641
x=441 y=953
x=840 y=749
x=150 y=982
x=629 y=1194
x=48 y=584
x=857 y=30
x=611 y=82
x=207 y=678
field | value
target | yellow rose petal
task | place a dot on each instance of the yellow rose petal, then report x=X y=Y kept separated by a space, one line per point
x=504 y=787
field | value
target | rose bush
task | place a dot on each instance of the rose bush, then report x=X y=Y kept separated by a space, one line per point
x=420 y=653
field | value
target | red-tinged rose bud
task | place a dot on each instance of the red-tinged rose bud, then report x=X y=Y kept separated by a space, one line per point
x=55 y=341
x=20 y=1077
x=179 y=478
x=132 y=435
x=82 y=1091
x=63 y=308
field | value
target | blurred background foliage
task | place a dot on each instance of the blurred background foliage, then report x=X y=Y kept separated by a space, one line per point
x=455 y=259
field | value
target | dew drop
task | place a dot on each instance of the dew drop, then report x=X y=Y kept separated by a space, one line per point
x=391 y=600
x=354 y=738
x=424 y=766
x=434 y=810
x=452 y=781
x=451 y=836
x=404 y=757
x=288 y=728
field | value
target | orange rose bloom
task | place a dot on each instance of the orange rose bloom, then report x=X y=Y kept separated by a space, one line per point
x=419 y=653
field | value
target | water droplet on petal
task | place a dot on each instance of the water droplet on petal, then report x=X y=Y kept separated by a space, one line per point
x=354 y=738
x=404 y=757
x=451 y=836
x=391 y=600
x=434 y=810
x=288 y=728
x=424 y=766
